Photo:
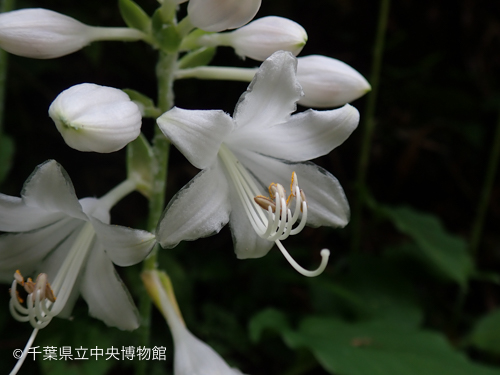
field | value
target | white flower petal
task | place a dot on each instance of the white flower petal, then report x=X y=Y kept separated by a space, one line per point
x=197 y=134
x=25 y=251
x=326 y=200
x=305 y=135
x=15 y=216
x=218 y=15
x=124 y=246
x=50 y=188
x=105 y=293
x=194 y=357
x=247 y=243
x=200 y=209
x=270 y=97
x=55 y=259
x=95 y=209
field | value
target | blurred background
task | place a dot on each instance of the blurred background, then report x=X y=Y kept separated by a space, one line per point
x=408 y=260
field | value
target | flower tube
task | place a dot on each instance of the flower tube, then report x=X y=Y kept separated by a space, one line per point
x=192 y=356
x=96 y=118
x=262 y=145
x=43 y=34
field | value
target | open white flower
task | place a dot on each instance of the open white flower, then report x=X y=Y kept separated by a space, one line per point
x=192 y=356
x=71 y=246
x=44 y=34
x=96 y=118
x=261 y=145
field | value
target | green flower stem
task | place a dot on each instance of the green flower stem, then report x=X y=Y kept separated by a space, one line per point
x=489 y=180
x=217 y=73
x=165 y=74
x=369 y=124
x=124 y=34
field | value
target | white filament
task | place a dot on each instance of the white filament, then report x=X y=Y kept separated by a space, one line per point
x=272 y=226
x=39 y=311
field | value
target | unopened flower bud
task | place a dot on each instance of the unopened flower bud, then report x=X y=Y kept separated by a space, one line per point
x=328 y=82
x=261 y=38
x=218 y=15
x=44 y=34
x=96 y=118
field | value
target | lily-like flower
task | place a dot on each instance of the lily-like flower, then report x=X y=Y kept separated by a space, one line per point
x=261 y=38
x=96 y=118
x=219 y=15
x=261 y=145
x=43 y=34
x=329 y=82
x=192 y=356
x=71 y=246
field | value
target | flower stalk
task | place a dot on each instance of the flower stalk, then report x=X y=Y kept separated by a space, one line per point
x=369 y=124
x=161 y=146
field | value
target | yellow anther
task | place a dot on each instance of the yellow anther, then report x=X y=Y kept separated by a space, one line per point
x=30 y=287
x=265 y=202
x=19 y=278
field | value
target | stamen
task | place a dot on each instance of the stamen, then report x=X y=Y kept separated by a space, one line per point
x=41 y=303
x=271 y=217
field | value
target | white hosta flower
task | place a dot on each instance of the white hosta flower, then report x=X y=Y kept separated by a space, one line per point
x=70 y=243
x=261 y=145
x=96 y=118
x=329 y=82
x=219 y=15
x=43 y=34
x=261 y=38
x=192 y=356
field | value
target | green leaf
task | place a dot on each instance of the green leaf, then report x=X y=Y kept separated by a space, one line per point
x=269 y=318
x=371 y=288
x=199 y=57
x=378 y=347
x=165 y=33
x=86 y=334
x=134 y=16
x=146 y=104
x=139 y=164
x=446 y=253
x=486 y=333
x=6 y=155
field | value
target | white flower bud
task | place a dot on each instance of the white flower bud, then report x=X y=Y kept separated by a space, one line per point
x=218 y=15
x=44 y=34
x=261 y=38
x=96 y=118
x=41 y=33
x=328 y=82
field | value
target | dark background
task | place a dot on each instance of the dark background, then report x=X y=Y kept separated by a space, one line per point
x=437 y=109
